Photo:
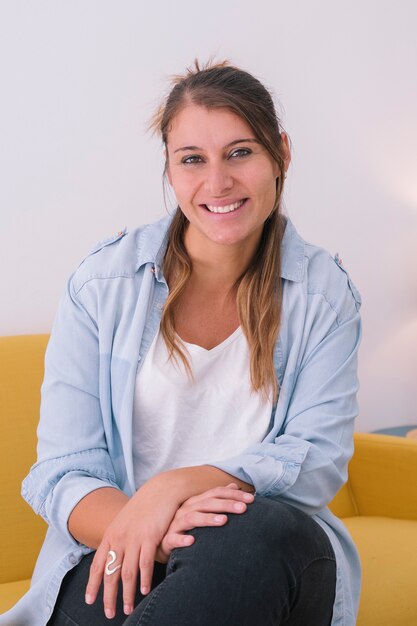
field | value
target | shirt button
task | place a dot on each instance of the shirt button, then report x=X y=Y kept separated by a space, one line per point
x=48 y=609
x=72 y=559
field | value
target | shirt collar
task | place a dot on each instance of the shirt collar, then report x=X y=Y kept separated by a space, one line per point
x=292 y=253
x=152 y=243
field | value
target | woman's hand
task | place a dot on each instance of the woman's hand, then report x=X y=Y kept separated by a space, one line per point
x=205 y=509
x=137 y=532
x=134 y=535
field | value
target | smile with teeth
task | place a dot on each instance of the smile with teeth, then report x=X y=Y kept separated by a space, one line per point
x=228 y=208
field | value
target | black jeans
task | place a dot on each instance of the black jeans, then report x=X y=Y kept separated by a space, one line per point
x=269 y=566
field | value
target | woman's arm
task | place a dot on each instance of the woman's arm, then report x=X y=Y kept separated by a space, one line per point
x=73 y=459
x=93 y=514
x=306 y=463
x=190 y=481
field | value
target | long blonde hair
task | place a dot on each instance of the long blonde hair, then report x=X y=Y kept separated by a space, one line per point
x=259 y=289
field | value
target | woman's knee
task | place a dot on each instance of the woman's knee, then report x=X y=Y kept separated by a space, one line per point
x=283 y=528
x=277 y=525
x=270 y=558
x=269 y=531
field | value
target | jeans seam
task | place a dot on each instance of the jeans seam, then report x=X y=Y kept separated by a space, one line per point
x=318 y=558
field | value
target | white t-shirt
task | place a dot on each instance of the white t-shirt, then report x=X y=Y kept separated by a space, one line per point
x=178 y=422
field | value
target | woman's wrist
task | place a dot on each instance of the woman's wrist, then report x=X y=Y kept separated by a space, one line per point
x=184 y=482
x=92 y=515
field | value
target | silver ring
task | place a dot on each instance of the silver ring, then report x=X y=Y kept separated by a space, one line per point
x=112 y=556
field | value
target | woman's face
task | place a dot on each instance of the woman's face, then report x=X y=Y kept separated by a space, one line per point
x=223 y=178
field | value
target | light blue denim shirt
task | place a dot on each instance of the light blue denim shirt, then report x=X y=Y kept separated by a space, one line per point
x=105 y=324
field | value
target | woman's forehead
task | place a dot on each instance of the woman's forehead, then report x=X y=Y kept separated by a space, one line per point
x=195 y=124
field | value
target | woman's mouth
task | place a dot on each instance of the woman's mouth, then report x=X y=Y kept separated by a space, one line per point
x=227 y=208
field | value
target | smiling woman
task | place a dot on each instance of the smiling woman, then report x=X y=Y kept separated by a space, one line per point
x=226 y=186
x=199 y=398
x=235 y=181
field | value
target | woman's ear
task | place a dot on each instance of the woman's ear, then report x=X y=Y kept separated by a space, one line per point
x=287 y=151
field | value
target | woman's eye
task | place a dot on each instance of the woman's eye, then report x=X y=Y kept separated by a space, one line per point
x=240 y=152
x=191 y=159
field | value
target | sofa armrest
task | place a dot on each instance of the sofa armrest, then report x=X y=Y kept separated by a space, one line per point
x=383 y=476
x=21 y=532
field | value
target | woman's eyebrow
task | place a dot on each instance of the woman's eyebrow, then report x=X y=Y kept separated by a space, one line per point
x=247 y=140
x=232 y=143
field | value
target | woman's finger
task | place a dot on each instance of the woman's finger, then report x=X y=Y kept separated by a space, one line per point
x=146 y=565
x=96 y=575
x=211 y=505
x=176 y=538
x=219 y=492
x=220 y=505
x=197 y=518
x=171 y=541
x=130 y=570
x=112 y=573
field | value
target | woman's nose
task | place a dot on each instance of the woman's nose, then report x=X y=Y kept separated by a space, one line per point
x=218 y=179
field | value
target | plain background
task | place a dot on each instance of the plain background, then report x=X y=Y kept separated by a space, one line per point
x=81 y=78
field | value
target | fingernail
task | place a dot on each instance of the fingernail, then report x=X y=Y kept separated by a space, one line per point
x=239 y=506
x=127 y=609
x=109 y=613
x=219 y=518
x=248 y=496
x=144 y=590
x=89 y=598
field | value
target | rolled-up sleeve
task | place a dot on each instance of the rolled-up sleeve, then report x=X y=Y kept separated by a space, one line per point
x=73 y=458
x=306 y=464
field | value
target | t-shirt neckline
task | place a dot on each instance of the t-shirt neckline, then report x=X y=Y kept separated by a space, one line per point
x=195 y=348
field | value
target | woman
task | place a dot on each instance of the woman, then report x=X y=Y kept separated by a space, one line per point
x=199 y=398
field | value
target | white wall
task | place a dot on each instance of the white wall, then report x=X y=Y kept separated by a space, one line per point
x=80 y=79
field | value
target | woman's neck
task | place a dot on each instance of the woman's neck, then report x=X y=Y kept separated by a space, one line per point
x=216 y=267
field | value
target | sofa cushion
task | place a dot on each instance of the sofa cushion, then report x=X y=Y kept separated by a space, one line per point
x=388 y=553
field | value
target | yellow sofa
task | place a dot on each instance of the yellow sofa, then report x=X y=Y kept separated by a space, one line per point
x=378 y=504
x=21 y=531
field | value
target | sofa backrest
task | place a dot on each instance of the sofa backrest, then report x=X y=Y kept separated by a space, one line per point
x=21 y=373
